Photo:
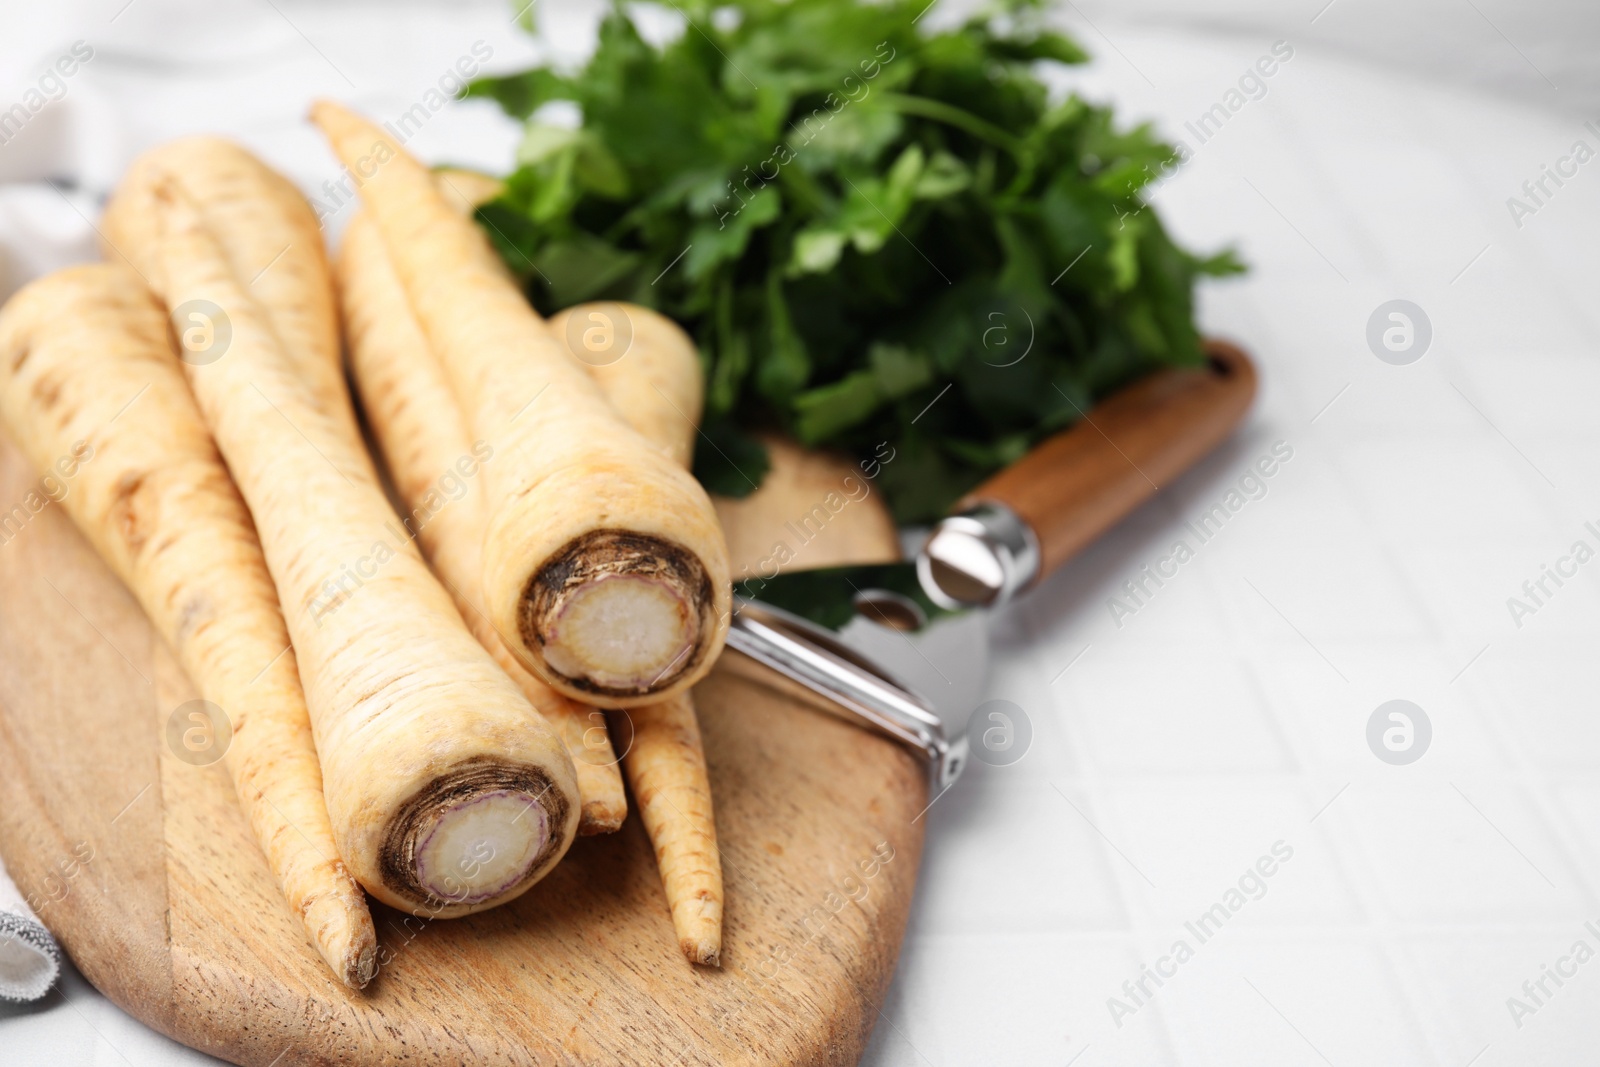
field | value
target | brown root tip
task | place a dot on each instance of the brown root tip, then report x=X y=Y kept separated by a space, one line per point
x=619 y=614
x=599 y=819
x=699 y=952
x=363 y=967
x=493 y=785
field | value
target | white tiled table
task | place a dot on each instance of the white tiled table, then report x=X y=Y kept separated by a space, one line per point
x=1230 y=712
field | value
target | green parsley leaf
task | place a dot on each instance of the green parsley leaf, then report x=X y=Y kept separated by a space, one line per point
x=884 y=238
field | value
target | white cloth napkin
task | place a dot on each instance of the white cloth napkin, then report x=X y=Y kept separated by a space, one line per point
x=248 y=74
x=29 y=958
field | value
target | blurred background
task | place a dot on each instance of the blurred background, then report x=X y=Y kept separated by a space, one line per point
x=166 y=67
x=1172 y=749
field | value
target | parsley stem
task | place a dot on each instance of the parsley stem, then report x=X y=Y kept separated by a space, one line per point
x=939 y=111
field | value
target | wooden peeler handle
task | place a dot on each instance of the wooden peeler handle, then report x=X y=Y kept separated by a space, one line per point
x=1076 y=485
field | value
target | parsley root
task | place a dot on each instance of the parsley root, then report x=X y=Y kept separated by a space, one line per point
x=427 y=449
x=605 y=570
x=657 y=387
x=85 y=357
x=446 y=791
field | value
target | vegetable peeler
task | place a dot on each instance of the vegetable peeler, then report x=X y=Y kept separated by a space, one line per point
x=902 y=649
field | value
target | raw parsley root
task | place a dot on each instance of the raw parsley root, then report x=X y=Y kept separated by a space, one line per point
x=447 y=793
x=645 y=365
x=424 y=439
x=85 y=356
x=666 y=767
x=852 y=213
x=270 y=237
x=654 y=383
x=605 y=570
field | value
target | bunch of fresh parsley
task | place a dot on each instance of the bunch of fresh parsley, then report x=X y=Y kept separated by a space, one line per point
x=883 y=238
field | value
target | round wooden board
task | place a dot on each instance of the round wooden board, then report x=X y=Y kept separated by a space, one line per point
x=145 y=870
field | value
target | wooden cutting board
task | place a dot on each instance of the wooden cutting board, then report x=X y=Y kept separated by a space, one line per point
x=145 y=870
